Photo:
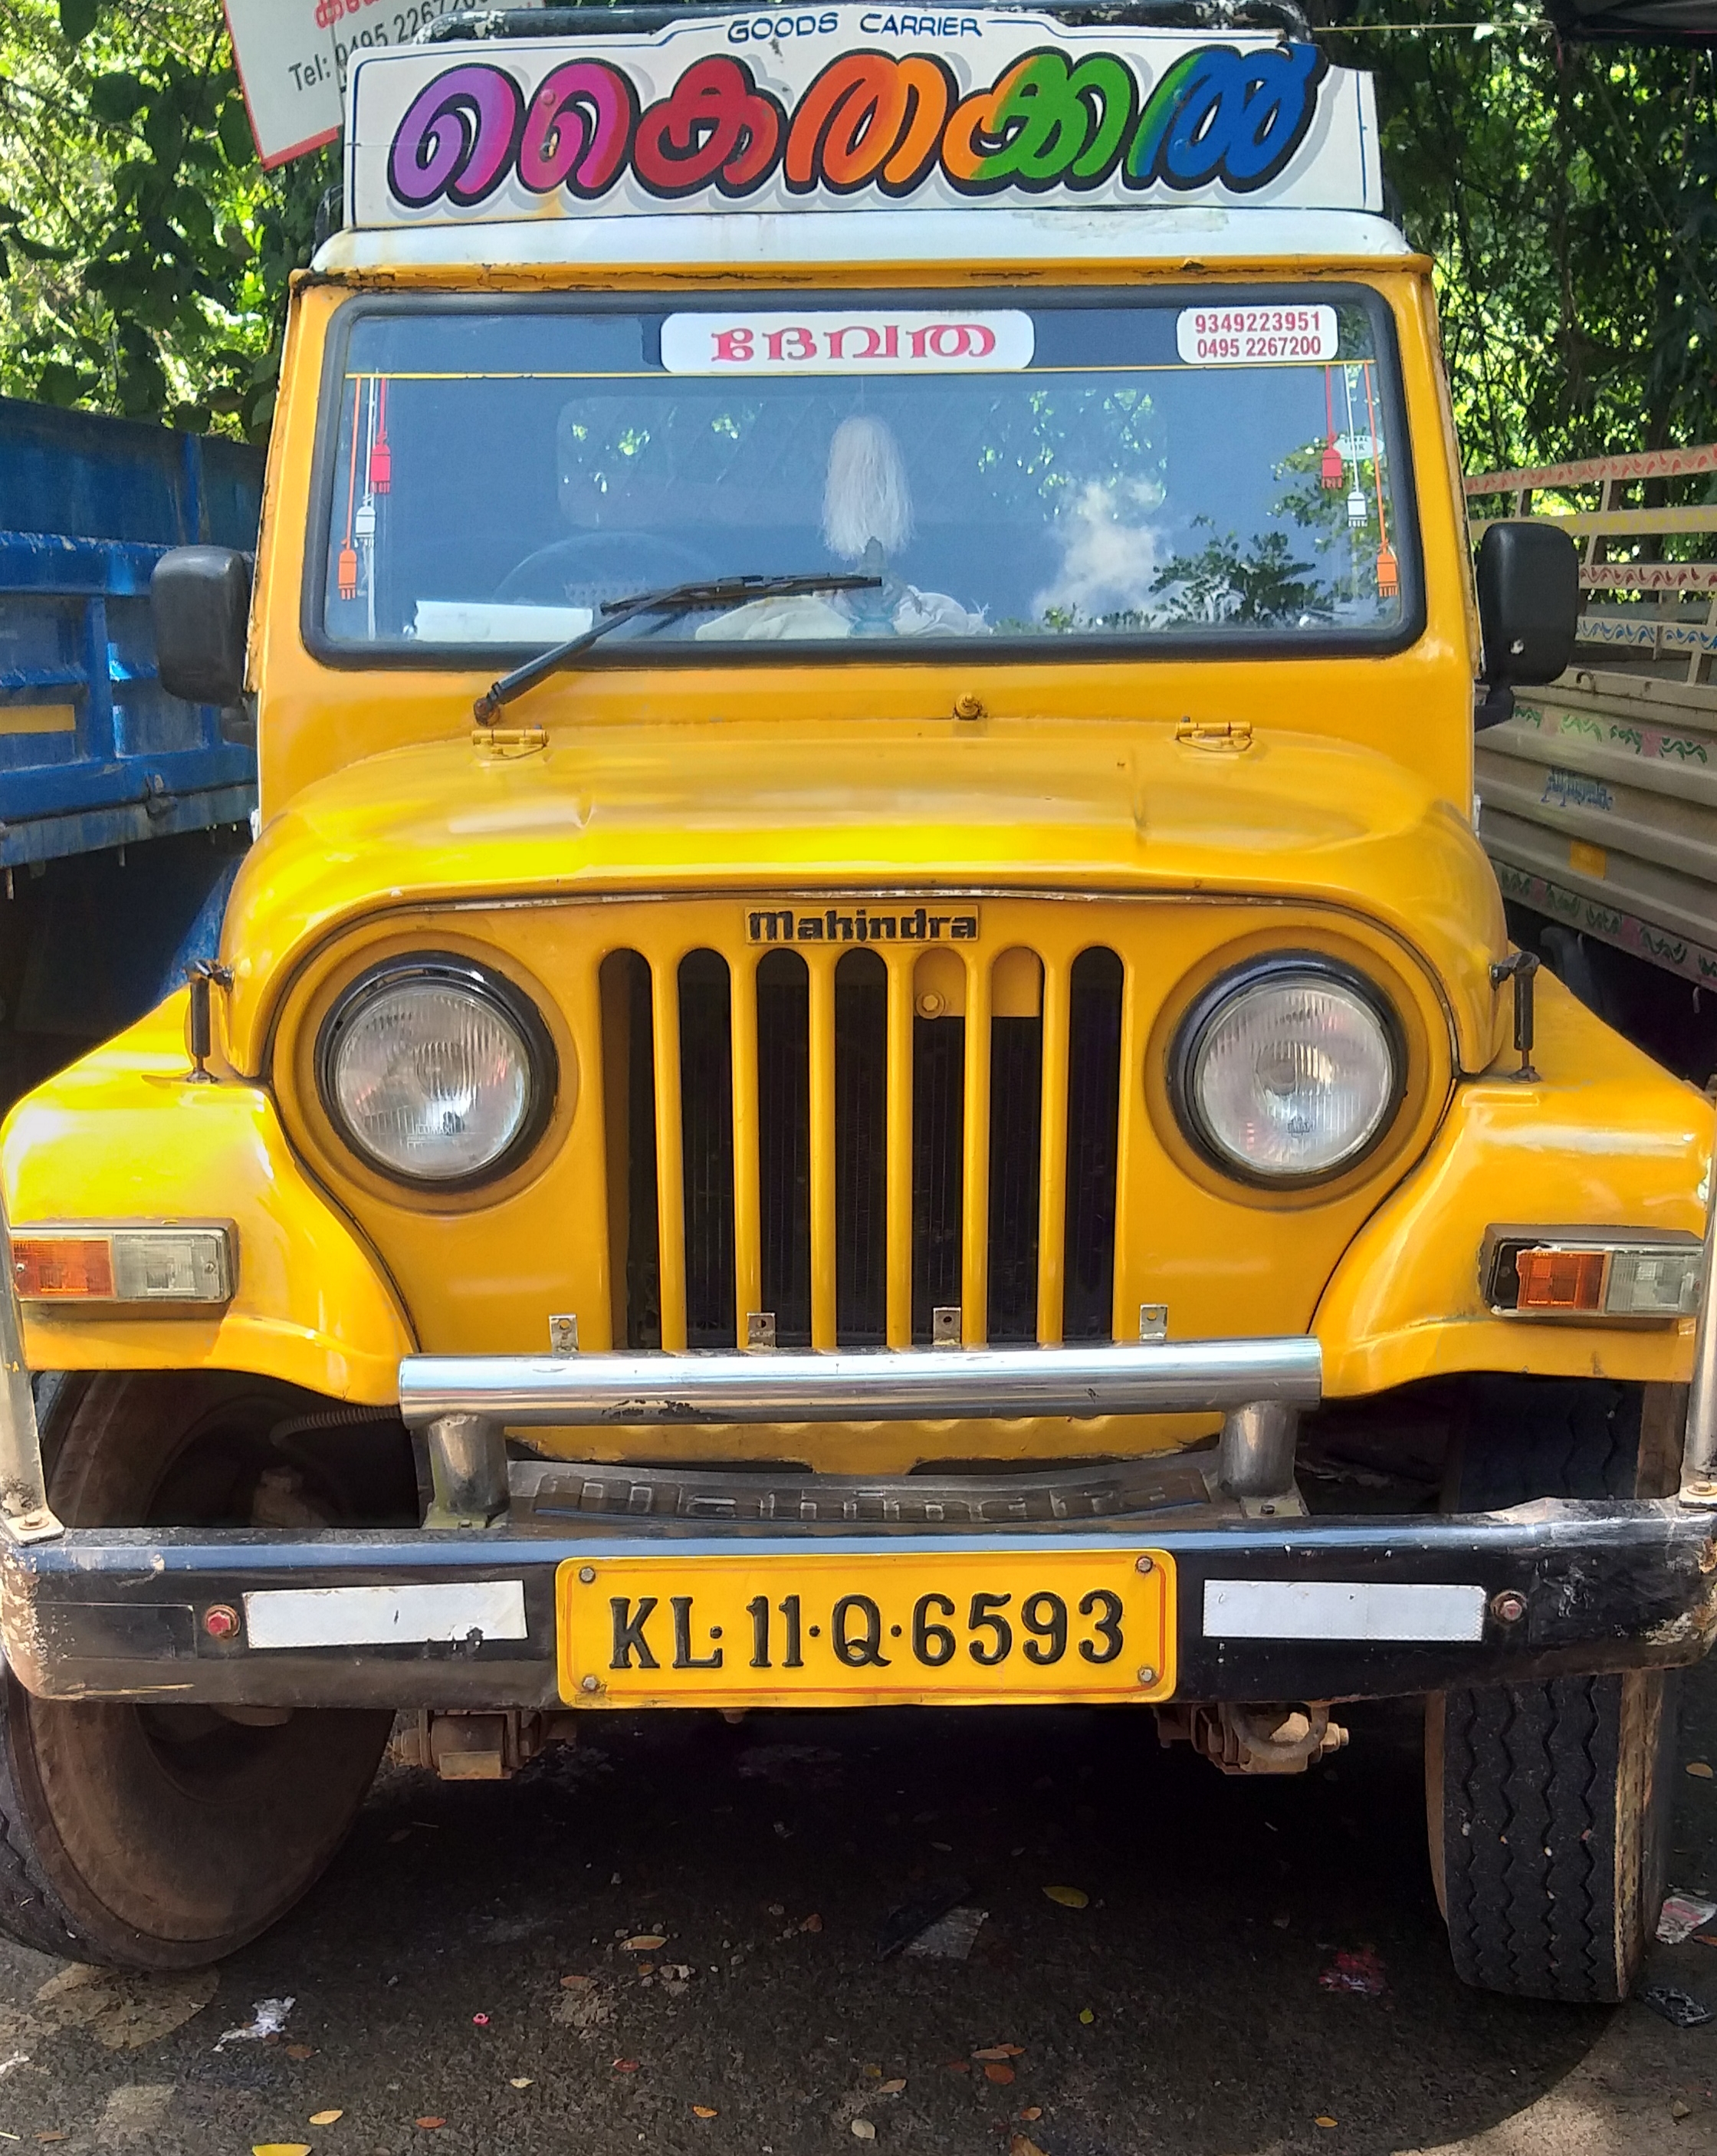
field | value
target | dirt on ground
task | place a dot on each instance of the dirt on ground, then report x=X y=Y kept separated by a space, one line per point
x=672 y=1940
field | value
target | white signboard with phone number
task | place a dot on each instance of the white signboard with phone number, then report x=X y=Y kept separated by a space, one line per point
x=292 y=57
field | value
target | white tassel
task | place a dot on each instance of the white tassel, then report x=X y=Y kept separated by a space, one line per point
x=867 y=496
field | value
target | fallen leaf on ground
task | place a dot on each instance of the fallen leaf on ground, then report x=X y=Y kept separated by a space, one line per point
x=1033 y=2111
x=1700 y=1769
x=575 y=1982
x=626 y=2065
x=59 y=2134
x=811 y=1924
x=429 y=2125
x=1087 y=2016
x=1000 y=2051
x=325 y=2118
x=1070 y=1897
x=703 y=2111
x=519 y=2080
x=862 y=2130
x=280 y=2148
x=646 y=1942
x=1022 y=2144
x=959 y=2066
x=892 y=2088
x=995 y=2072
x=301 y=2052
x=1356 y=1970
x=1323 y=2118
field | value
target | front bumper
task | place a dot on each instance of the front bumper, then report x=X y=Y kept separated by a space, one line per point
x=1547 y=1588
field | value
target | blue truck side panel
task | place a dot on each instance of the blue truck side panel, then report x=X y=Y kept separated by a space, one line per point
x=122 y=810
x=93 y=751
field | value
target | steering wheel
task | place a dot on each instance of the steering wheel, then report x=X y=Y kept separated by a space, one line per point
x=594 y=566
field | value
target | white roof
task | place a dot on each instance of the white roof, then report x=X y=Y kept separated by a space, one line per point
x=961 y=238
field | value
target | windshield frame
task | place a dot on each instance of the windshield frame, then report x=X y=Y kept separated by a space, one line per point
x=1137 y=647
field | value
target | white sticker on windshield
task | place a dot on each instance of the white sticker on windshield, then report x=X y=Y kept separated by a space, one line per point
x=1251 y=336
x=861 y=342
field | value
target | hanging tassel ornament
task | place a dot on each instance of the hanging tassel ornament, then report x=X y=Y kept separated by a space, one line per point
x=1331 y=472
x=1388 y=568
x=346 y=568
x=381 y=455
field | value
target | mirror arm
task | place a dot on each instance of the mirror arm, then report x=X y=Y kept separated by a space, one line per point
x=1492 y=705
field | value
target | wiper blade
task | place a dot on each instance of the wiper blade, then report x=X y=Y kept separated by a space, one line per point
x=672 y=599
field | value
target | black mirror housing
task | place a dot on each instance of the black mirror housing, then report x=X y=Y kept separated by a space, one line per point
x=200 y=598
x=1528 y=602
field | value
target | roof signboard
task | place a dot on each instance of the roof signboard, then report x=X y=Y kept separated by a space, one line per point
x=855 y=107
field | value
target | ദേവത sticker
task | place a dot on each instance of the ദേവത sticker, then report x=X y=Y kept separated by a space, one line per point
x=1254 y=336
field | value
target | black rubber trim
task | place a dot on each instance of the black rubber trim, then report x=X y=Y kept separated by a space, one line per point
x=447 y=969
x=1195 y=1028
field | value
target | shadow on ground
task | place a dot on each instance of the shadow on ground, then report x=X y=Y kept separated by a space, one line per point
x=1181 y=2009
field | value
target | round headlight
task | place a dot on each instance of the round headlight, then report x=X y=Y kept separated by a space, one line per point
x=436 y=1071
x=1289 y=1072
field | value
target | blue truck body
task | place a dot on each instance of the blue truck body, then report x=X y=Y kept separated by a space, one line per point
x=122 y=809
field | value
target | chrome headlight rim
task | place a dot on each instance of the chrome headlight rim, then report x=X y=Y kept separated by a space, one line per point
x=1284 y=968
x=443 y=969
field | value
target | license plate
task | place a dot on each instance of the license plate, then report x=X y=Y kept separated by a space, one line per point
x=835 y=1629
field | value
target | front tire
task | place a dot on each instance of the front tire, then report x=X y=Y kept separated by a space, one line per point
x=1548 y=1803
x=164 y=1837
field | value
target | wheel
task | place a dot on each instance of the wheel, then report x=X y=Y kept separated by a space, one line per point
x=1548 y=1803
x=595 y=566
x=165 y=1837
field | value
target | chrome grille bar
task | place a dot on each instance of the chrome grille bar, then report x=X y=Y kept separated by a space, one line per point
x=986 y=1383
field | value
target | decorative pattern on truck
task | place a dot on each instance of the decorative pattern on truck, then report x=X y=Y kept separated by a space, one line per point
x=1018 y=107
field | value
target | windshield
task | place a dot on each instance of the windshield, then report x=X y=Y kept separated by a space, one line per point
x=1213 y=466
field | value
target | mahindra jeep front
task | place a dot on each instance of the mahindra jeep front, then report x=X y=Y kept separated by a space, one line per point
x=867 y=1056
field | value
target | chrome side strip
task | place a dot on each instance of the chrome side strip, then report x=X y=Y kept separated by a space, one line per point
x=977 y=1383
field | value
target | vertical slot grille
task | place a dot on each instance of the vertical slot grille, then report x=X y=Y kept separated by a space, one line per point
x=629 y=1067
x=706 y=1126
x=812 y=1193
x=784 y=1143
x=938 y=1174
x=1093 y=1116
x=861 y=1149
x=1016 y=1124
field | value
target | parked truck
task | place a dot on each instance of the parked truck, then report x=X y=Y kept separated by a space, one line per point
x=868 y=1055
x=1600 y=794
x=123 y=809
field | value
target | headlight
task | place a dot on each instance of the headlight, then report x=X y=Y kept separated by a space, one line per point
x=436 y=1071
x=1287 y=1071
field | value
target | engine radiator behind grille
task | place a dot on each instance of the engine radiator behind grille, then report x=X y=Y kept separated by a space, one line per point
x=851 y=1141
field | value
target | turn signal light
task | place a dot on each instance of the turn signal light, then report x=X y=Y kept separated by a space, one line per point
x=1559 y=1280
x=1598 y=1274
x=53 y=1271
x=124 y=1264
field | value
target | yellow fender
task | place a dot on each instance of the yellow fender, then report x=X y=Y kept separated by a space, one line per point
x=124 y=1135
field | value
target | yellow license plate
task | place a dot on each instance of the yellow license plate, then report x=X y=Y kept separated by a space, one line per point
x=891 y=1626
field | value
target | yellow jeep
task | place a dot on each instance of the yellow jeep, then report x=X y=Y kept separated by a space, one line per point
x=867 y=1056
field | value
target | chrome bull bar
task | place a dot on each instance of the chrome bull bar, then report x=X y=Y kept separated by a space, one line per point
x=465 y=1403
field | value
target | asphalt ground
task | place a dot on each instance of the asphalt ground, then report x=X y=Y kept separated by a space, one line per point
x=1183 y=2008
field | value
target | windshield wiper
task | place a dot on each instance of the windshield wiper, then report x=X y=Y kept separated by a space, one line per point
x=672 y=599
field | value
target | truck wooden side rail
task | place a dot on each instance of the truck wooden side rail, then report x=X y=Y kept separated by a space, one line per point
x=1598 y=800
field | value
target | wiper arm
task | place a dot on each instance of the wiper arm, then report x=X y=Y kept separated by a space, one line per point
x=673 y=599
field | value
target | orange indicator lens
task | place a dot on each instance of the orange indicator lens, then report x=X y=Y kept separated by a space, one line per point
x=1560 y=1280
x=60 y=1268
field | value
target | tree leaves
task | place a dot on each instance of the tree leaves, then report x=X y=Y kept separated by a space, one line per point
x=146 y=252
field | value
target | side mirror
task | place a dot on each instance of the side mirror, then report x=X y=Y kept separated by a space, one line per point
x=1528 y=609
x=200 y=598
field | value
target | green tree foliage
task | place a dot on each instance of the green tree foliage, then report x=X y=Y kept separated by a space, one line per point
x=147 y=253
x=1566 y=194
